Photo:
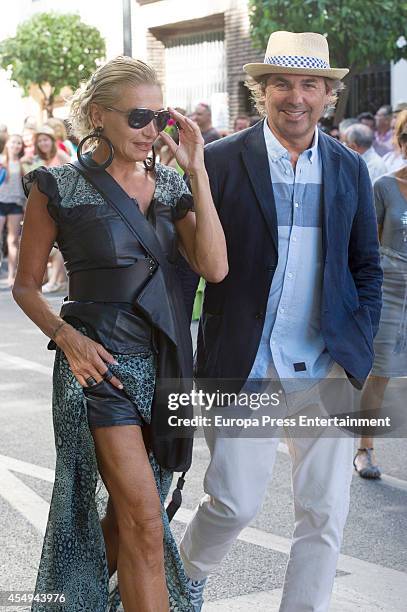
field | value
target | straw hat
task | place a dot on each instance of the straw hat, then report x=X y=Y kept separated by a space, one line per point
x=47 y=130
x=293 y=53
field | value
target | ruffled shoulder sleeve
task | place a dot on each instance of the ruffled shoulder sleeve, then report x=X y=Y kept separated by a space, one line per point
x=52 y=182
x=173 y=191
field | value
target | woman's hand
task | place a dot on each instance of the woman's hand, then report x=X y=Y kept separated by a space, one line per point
x=189 y=152
x=85 y=356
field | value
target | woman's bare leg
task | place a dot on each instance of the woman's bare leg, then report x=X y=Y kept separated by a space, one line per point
x=2 y=224
x=57 y=274
x=127 y=474
x=58 y=263
x=110 y=530
x=13 y=236
x=372 y=399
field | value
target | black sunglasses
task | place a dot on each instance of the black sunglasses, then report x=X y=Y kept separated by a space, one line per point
x=403 y=137
x=138 y=118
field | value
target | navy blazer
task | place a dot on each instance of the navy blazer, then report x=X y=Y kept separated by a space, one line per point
x=234 y=310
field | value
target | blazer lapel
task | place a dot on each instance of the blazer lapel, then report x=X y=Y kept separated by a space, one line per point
x=256 y=161
x=331 y=160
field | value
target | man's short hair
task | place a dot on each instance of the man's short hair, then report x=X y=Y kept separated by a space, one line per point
x=361 y=135
x=387 y=108
x=345 y=124
x=3 y=140
x=365 y=116
x=205 y=106
x=241 y=118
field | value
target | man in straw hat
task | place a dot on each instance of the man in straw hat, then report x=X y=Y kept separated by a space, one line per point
x=301 y=303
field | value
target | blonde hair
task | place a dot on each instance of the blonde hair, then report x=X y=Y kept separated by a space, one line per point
x=399 y=128
x=257 y=90
x=104 y=88
x=59 y=128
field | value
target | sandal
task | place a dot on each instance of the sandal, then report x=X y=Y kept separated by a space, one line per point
x=368 y=469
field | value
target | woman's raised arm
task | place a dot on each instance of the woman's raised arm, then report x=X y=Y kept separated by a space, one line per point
x=201 y=234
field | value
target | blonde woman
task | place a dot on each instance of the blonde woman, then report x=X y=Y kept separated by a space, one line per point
x=123 y=328
x=12 y=199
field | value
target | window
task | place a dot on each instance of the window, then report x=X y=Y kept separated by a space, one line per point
x=369 y=89
x=195 y=71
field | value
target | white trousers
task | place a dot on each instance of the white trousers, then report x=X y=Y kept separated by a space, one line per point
x=235 y=484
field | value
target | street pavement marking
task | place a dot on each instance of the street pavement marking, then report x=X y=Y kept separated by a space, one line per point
x=374 y=587
x=20 y=496
x=18 y=363
x=23 y=499
x=343 y=600
x=12 y=386
x=391 y=481
x=23 y=408
x=29 y=469
x=385 y=480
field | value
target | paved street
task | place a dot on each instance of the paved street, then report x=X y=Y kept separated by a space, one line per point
x=373 y=565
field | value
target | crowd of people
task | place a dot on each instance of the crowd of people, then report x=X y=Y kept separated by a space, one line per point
x=47 y=145
x=378 y=144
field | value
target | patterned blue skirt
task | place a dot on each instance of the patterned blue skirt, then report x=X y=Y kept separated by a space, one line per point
x=73 y=560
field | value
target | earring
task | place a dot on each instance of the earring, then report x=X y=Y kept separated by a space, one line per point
x=86 y=160
x=149 y=163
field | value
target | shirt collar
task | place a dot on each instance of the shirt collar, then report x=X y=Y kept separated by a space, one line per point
x=368 y=154
x=276 y=150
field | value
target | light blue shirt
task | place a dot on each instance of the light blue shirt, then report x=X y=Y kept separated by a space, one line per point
x=291 y=345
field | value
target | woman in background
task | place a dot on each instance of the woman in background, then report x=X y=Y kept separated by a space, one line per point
x=47 y=154
x=390 y=344
x=12 y=199
x=46 y=150
x=28 y=139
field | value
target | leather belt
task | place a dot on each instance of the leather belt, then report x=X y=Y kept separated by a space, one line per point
x=111 y=284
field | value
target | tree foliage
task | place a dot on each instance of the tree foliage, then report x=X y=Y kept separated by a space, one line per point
x=359 y=33
x=53 y=51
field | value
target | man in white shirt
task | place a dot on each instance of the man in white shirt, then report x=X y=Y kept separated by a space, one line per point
x=360 y=138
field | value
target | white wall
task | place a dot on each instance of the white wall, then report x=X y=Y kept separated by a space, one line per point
x=399 y=82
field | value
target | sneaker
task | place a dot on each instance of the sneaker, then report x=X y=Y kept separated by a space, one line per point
x=53 y=287
x=196 y=589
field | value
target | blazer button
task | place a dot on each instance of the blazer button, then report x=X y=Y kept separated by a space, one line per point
x=259 y=315
x=151 y=266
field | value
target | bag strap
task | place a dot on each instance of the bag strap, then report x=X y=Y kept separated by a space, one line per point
x=176 y=499
x=125 y=207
